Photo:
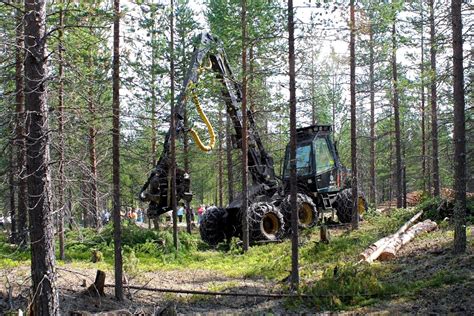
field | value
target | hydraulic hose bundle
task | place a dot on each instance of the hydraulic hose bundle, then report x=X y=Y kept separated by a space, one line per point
x=204 y=118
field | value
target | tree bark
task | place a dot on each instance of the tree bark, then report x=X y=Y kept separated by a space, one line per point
x=460 y=174
x=374 y=250
x=153 y=93
x=245 y=197
x=293 y=177
x=172 y=172
x=434 y=107
x=22 y=212
x=220 y=160
x=423 y=114
x=189 y=213
x=62 y=177
x=41 y=224
x=355 y=213
x=94 y=200
x=394 y=244
x=116 y=155
x=230 y=171
x=373 y=183
x=11 y=194
x=396 y=111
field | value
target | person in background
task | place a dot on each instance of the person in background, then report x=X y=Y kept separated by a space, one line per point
x=200 y=211
x=133 y=216
x=180 y=212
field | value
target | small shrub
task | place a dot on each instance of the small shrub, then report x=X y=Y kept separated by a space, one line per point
x=97 y=256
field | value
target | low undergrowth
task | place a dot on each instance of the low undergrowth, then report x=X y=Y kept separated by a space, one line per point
x=329 y=273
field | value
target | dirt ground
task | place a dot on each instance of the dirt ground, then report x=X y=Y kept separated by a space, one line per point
x=419 y=259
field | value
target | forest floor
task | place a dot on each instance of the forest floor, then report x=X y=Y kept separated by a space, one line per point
x=425 y=278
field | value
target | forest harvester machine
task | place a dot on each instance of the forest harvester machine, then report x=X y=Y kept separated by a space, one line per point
x=323 y=182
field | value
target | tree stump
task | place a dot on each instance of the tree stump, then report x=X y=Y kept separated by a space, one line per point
x=324 y=234
x=97 y=288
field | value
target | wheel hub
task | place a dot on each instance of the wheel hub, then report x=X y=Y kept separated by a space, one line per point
x=270 y=224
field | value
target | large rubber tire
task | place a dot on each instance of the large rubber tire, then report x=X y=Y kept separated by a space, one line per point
x=265 y=222
x=307 y=212
x=343 y=205
x=213 y=225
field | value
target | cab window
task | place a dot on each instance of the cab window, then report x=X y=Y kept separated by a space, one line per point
x=303 y=161
x=324 y=159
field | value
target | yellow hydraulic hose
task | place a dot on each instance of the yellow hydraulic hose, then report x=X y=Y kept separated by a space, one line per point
x=210 y=129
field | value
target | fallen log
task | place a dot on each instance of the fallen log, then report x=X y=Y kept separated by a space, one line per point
x=374 y=250
x=391 y=249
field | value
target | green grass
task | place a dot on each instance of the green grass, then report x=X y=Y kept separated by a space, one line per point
x=329 y=272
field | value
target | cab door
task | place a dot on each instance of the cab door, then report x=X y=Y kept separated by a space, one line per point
x=325 y=164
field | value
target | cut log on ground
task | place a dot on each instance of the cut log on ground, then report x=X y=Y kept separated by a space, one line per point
x=395 y=244
x=374 y=250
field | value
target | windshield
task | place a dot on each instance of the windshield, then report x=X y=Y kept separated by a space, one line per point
x=303 y=161
x=324 y=159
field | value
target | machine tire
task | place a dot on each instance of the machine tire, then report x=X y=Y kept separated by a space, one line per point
x=343 y=205
x=307 y=212
x=213 y=226
x=265 y=222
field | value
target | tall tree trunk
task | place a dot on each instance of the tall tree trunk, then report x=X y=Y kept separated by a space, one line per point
x=313 y=90
x=12 y=192
x=245 y=197
x=153 y=93
x=94 y=200
x=396 y=110
x=251 y=90
x=355 y=213
x=22 y=212
x=220 y=160
x=230 y=172
x=62 y=177
x=434 y=107
x=460 y=174
x=172 y=172
x=41 y=224
x=189 y=213
x=373 y=179
x=116 y=155
x=423 y=114
x=295 y=279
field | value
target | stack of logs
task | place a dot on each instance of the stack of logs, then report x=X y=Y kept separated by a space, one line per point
x=387 y=247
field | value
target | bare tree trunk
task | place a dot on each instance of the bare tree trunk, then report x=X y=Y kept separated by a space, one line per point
x=153 y=94
x=423 y=114
x=172 y=172
x=220 y=160
x=43 y=273
x=189 y=213
x=373 y=179
x=230 y=172
x=434 y=107
x=396 y=110
x=116 y=155
x=295 y=279
x=94 y=200
x=460 y=174
x=62 y=178
x=245 y=197
x=22 y=212
x=313 y=91
x=11 y=194
x=355 y=213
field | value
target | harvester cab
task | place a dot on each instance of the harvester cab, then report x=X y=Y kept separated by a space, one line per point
x=319 y=170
